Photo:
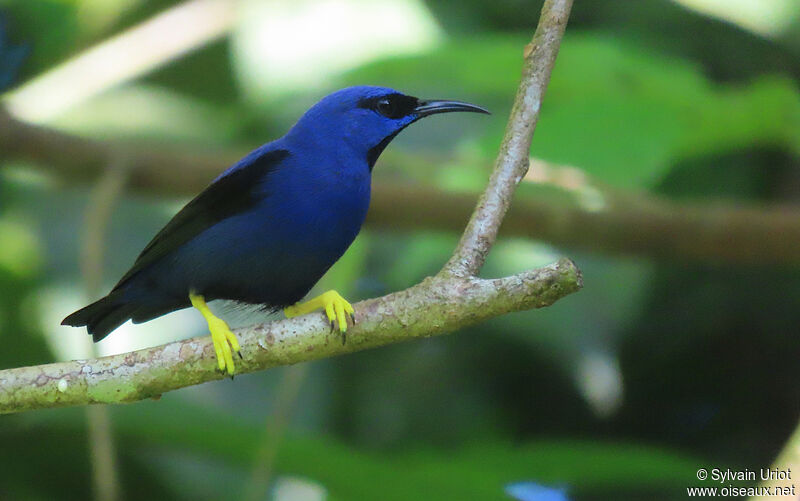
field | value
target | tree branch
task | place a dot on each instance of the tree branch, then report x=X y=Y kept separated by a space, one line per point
x=512 y=162
x=450 y=300
x=436 y=306
x=628 y=223
x=77 y=158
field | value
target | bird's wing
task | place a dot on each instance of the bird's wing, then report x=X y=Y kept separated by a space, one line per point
x=232 y=193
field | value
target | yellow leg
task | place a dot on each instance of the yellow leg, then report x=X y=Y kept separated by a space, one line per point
x=224 y=339
x=336 y=308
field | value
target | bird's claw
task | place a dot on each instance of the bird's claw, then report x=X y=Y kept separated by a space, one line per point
x=225 y=342
x=336 y=308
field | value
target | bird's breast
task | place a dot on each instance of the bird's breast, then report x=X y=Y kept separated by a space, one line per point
x=321 y=214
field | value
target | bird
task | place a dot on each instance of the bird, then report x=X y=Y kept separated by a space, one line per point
x=269 y=227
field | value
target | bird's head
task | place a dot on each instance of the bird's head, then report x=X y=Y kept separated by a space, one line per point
x=365 y=119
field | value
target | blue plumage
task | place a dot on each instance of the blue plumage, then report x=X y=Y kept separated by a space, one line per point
x=267 y=229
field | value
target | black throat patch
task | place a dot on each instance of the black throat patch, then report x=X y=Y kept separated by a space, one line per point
x=375 y=151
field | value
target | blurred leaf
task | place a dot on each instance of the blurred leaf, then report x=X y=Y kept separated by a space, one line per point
x=20 y=254
x=476 y=471
x=205 y=73
x=725 y=50
x=488 y=64
x=622 y=112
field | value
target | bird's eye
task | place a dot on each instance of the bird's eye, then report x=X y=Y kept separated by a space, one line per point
x=392 y=106
x=387 y=108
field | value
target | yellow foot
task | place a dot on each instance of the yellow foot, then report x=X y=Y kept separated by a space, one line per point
x=336 y=308
x=224 y=339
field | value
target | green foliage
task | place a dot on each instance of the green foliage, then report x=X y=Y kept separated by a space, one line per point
x=472 y=471
x=622 y=113
x=645 y=96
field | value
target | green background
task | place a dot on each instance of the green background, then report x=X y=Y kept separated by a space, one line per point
x=622 y=391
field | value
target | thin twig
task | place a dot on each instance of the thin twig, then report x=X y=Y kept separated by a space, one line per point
x=274 y=430
x=102 y=201
x=512 y=162
x=105 y=482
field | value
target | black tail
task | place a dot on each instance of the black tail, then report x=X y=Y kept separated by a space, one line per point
x=103 y=316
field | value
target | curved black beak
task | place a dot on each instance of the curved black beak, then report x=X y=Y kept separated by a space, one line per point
x=434 y=106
